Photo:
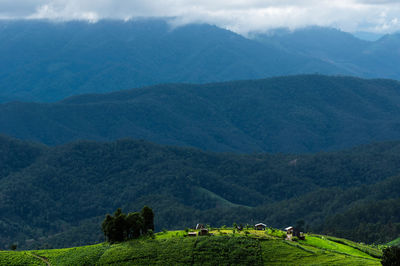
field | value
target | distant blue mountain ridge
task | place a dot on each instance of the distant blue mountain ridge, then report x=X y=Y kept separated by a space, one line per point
x=48 y=61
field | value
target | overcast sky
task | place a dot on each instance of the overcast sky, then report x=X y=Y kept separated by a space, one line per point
x=242 y=16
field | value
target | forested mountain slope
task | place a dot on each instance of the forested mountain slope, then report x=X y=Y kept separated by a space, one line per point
x=305 y=113
x=59 y=195
x=48 y=61
x=374 y=59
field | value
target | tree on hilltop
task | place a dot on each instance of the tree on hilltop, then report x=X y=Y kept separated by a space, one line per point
x=120 y=226
x=135 y=225
x=148 y=217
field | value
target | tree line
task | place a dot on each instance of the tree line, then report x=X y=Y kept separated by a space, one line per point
x=121 y=227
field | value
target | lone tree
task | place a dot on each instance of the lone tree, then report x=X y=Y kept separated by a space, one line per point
x=148 y=218
x=121 y=227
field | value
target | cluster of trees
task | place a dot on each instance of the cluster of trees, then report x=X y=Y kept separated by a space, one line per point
x=121 y=227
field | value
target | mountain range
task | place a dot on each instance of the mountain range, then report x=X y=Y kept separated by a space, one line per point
x=305 y=113
x=358 y=57
x=87 y=111
x=48 y=61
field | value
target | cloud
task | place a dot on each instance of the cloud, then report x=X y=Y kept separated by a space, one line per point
x=242 y=16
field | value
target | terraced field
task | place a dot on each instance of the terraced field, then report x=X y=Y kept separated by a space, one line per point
x=224 y=247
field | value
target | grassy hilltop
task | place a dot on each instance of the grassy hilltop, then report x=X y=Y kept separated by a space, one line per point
x=225 y=247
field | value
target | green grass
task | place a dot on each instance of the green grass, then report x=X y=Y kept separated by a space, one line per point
x=170 y=234
x=173 y=251
x=324 y=243
x=18 y=258
x=87 y=255
x=275 y=233
x=227 y=250
x=395 y=242
x=172 y=248
x=368 y=249
x=280 y=252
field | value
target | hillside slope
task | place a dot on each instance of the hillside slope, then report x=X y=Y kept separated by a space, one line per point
x=48 y=61
x=257 y=248
x=58 y=193
x=395 y=242
x=374 y=59
x=287 y=114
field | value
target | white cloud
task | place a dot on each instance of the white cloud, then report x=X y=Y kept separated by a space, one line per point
x=241 y=16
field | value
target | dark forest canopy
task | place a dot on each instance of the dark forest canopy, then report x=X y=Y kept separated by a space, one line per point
x=292 y=114
x=63 y=192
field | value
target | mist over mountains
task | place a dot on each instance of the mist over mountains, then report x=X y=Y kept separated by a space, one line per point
x=358 y=57
x=48 y=61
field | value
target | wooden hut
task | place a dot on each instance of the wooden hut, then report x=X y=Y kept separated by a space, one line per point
x=291 y=232
x=200 y=226
x=203 y=232
x=260 y=226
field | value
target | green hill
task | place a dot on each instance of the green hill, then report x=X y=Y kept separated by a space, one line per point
x=58 y=196
x=308 y=113
x=395 y=242
x=224 y=248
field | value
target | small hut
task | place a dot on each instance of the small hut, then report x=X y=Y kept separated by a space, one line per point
x=200 y=226
x=203 y=232
x=260 y=226
x=301 y=236
x=291 y=232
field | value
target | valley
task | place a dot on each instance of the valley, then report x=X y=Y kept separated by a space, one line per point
x=57 y=196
